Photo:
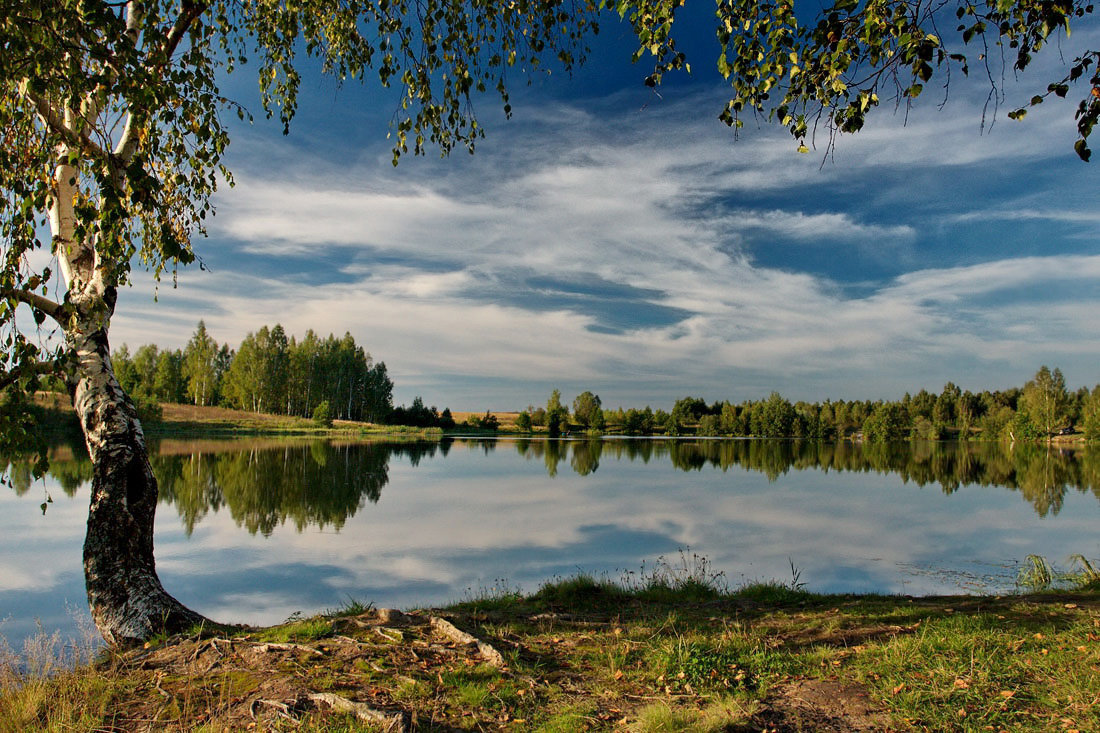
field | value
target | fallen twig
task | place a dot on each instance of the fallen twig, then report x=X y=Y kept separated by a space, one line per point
x=397 y=637
x=274 y=646
x=281 y=709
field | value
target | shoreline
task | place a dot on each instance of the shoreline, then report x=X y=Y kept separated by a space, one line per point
x=671 y=653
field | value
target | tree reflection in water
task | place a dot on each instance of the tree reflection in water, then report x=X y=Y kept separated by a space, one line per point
x=266 y=483
x=318 y=484
x=1042 y=474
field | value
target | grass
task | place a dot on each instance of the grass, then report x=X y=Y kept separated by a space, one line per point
x=297 y=630
x=670 y=648
x=207 y=421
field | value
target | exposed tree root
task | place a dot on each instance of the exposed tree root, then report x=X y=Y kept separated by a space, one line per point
x=457 y=635
x=394 y=722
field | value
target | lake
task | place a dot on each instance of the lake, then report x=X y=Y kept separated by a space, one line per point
x=255 y=530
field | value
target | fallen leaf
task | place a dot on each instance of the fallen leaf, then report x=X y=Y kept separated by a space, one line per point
x=899 y=688
x=1071 y=605
x=618 y=674
x=962 y=684
x=1007 y=693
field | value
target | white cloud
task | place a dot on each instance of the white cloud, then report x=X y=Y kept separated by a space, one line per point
x=819 y=228
x=1060 y=215
x=944 y=285
x=429 y=263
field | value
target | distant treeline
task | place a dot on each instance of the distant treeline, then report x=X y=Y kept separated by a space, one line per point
x=268 y=372
x=1041 y=408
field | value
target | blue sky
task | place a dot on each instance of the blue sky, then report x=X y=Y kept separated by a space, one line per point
x=614 y=239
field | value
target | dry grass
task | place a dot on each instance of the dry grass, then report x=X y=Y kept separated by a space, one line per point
x=196 y=413
x=505 y=418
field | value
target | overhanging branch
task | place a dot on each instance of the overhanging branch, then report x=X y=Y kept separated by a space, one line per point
x=188 y=12
x=39 y=368
x=51 y=308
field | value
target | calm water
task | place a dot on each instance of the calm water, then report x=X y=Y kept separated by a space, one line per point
x=255 y=531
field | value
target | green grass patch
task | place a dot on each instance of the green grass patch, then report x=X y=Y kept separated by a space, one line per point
x=1027 y=673
x=298 y=631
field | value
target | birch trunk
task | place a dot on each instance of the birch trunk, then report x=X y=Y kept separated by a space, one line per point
x=127 y=601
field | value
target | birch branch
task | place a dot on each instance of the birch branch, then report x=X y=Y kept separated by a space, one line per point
x=57 y=123
x=188 y=12
x=133 y=20
x=127 y=143
x=39 y=367
x=51 y=308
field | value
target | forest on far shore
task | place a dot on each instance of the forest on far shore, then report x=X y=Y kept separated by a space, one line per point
x=1040 y=409
x=336 y=378
x=268 y=372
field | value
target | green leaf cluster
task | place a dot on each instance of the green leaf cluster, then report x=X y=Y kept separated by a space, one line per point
x=830 y=73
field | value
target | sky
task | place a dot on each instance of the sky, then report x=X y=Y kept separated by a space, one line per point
x=625 y=241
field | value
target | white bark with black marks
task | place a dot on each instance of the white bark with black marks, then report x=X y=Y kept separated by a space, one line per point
x=127 y=601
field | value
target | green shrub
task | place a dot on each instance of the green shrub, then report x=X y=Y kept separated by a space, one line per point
x=322 y=415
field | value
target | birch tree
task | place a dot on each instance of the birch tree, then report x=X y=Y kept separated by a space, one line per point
x=1044 y=400
x=111 y=149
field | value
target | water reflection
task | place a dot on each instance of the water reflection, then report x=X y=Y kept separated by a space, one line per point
x=317 y=484
x=456 y=514
x=265 y=484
